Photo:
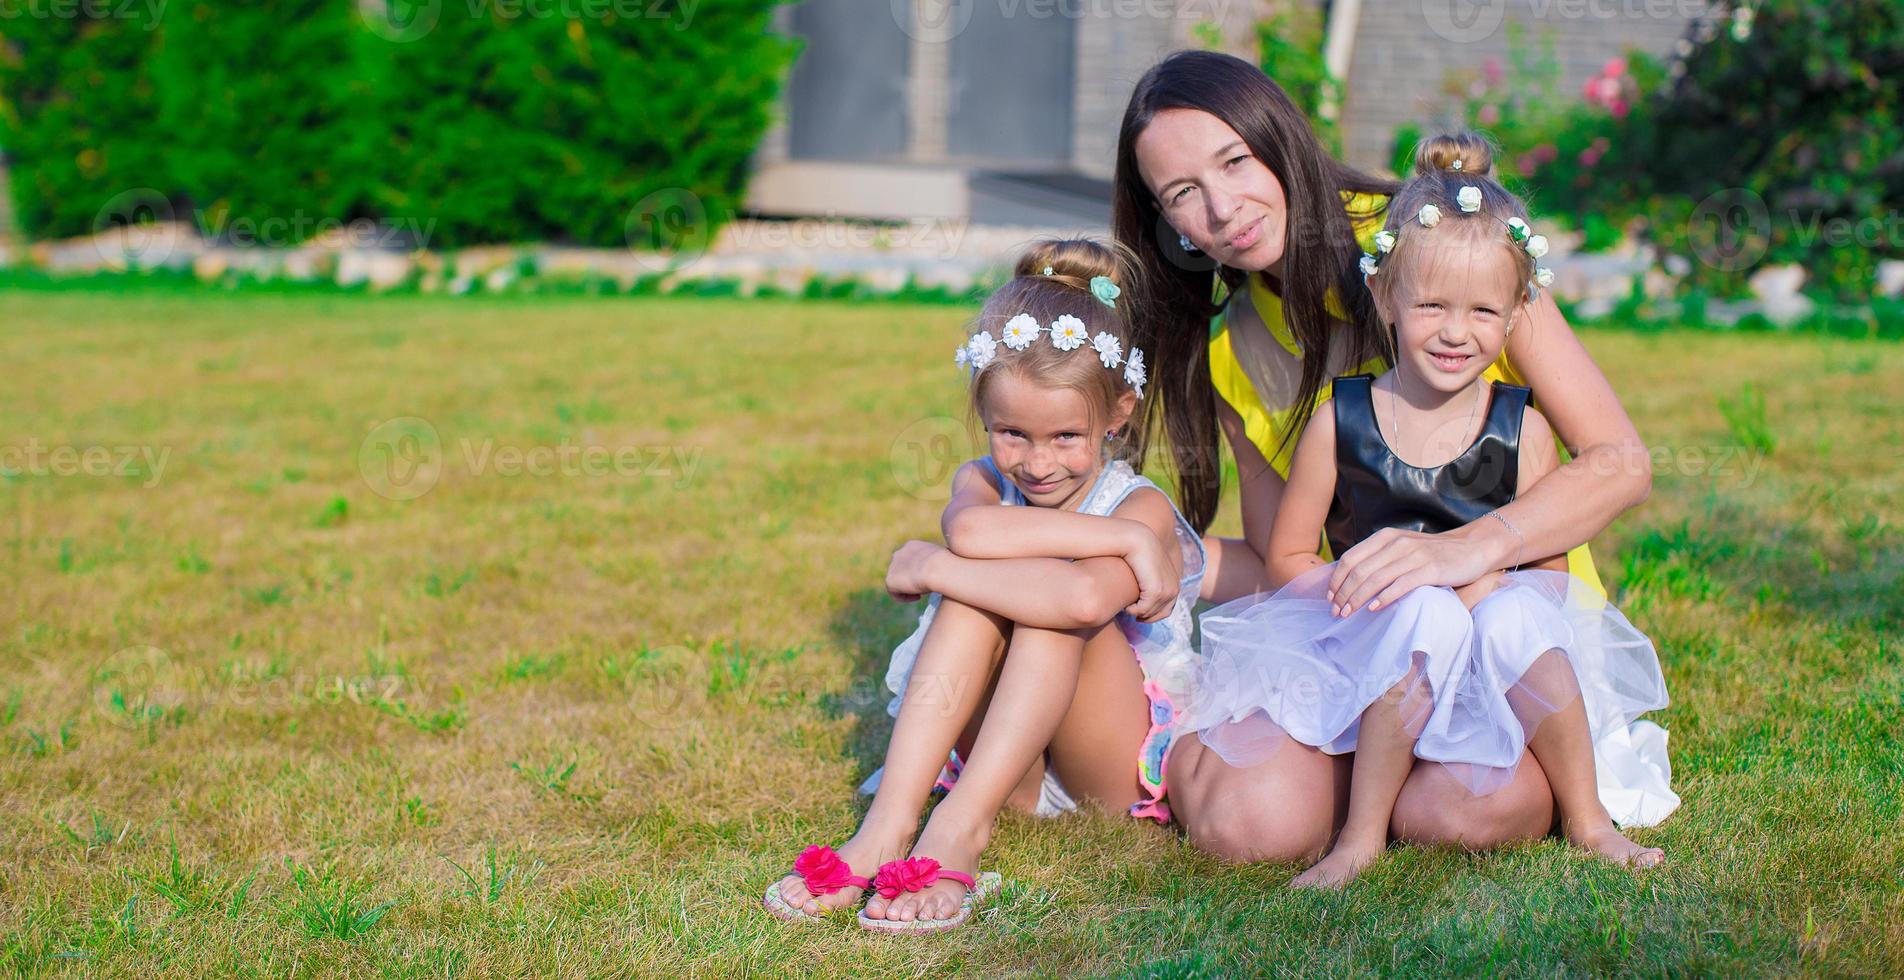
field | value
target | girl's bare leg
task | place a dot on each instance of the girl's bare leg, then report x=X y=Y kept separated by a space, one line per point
x=1564 y=745
x=1384 y=753
x=960 y=653
x=1024 y=797
x=1094 y=751
x=1034 y=691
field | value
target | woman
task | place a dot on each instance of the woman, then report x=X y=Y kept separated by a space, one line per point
x=1220 y=181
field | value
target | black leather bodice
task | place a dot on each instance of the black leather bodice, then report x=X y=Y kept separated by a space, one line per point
x=1374 y=489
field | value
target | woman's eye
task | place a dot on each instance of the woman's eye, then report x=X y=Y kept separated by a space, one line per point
x=1427 y=306
x=1237 y=159
x=1070 y=435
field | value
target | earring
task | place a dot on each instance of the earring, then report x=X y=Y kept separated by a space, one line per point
x=1183 y=241
x=1110 y=436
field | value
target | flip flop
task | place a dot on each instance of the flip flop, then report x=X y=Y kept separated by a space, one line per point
x=823 y=872
x=917 y=874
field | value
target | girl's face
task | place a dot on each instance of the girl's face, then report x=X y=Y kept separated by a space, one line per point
x=1213 y=190
x=1042 y=439
x=1452 y=310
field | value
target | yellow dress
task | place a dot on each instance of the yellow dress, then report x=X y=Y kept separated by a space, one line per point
x=1265 y=426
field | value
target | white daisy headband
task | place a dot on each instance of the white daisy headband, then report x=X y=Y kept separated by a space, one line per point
x=1067 y=334
x=1468 y=199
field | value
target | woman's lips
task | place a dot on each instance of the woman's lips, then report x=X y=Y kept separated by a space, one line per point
x=1039 y=487
x=1450 y=362
x=1249 y=237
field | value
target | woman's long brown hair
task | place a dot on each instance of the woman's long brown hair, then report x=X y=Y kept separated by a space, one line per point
x=1175 y=294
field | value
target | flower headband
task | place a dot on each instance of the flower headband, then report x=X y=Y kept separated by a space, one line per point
x=1468 y=199
x=1067 y=334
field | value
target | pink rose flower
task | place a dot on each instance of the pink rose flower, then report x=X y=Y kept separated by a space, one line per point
x=822 y=870
x=910 y=875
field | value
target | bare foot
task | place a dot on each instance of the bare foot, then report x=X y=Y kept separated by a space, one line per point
x=863 y=854
x=1609 y=844
x=954 y=851
x=1342 y=864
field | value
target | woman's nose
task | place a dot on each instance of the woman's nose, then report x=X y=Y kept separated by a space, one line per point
x=1220 y=204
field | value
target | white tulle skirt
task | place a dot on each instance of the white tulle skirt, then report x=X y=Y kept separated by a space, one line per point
x=1283 y=667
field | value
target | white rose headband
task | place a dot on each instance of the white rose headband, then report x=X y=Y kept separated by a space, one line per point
x=1067 y=333
x=1468 y=199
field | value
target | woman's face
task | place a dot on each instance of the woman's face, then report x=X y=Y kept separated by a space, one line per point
x=1212 y=189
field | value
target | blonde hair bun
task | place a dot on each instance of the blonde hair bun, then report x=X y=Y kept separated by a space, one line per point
x=1465 y=153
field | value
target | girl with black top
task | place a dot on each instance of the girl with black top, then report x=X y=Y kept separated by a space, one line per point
x=1472 y=678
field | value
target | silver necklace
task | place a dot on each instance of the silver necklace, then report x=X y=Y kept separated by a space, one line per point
x=1395 y=414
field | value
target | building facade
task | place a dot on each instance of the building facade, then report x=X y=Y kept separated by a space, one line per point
x=1006 y=111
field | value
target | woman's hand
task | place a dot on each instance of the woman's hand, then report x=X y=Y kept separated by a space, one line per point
x=1390 y=562
x=1157 y=579
x=906 y=576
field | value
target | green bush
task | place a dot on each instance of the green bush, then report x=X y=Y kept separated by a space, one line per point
x=265 y=133
x=475 y=123
x=79 y=114
x=523 y=128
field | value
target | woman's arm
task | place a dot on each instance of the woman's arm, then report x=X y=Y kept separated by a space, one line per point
x=1538 y=460
x=1610 y=473
x=1236 y=566
x=1305 y=503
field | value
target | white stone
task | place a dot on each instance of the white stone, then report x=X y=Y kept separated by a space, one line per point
x=1786 y=309
x=1890 y=278
x=378 y=269
x=1775 y=283
x=306 y=264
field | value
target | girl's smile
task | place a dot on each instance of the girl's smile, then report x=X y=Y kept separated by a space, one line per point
x=1453 y=309
x=1041 y=439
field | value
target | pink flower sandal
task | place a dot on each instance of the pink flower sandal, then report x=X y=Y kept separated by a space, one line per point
x=917 y=874
x=824 y=872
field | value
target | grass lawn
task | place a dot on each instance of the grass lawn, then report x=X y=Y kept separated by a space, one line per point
x=285 y=689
